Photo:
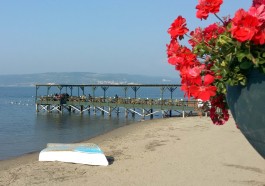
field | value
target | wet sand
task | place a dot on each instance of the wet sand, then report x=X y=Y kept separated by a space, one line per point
x=172 y=151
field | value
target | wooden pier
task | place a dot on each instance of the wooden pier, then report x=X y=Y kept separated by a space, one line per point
x=72 y=98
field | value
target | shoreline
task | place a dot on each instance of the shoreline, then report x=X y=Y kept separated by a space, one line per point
x=80 y=141
x=27 y=157
x=166 y=151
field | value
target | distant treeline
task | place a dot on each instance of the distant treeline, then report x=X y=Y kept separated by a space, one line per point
x=82 y=78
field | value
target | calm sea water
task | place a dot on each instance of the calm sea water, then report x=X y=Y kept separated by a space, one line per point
x=22 y=130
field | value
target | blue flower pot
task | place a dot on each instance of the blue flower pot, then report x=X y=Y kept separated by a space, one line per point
x=247 y=105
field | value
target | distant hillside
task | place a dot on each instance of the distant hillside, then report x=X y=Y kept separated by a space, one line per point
x=82 y=78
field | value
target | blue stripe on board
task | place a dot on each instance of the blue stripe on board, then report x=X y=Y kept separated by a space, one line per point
x=94 y=150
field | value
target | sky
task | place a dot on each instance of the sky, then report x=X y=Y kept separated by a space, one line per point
x=100 y=36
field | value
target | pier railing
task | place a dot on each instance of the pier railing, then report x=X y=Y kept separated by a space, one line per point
x=83 y=102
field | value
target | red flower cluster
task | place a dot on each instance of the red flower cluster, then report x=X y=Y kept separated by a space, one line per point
x=207 y=6
x=178 y=28
x=184 y=60
x=201 y=79
x=250 y=26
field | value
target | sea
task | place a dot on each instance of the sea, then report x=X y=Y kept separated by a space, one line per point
x=23 y=130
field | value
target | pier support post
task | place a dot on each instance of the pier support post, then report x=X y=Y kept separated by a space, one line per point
x=37 y=108
x=151 y=115
x=143 y=117
x=81 y=109
x=110 y=111
x=171 y=89
x=60 y=109
x=95 y=111
x=118 y=111
x=126 y=112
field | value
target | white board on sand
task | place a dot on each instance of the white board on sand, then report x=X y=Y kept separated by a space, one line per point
x=84 y=153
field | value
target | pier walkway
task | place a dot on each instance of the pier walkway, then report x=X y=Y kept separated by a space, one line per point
x=72 y=101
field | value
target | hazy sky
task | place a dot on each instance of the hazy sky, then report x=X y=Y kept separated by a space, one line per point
x=102 y=36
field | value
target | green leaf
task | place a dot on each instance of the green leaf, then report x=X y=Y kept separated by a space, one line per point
x=245 y=65
x=240 y=56
x=250 y=56
x=261 y=61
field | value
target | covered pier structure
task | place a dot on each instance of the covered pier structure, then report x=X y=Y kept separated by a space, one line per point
x=127 y=98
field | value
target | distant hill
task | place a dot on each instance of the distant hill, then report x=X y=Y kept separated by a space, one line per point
x=82 y=78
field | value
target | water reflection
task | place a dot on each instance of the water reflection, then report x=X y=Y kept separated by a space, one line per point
x=66 y=128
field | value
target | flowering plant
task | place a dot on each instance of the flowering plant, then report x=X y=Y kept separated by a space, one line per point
x=221 y=54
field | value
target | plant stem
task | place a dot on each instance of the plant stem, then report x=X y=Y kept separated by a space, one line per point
x=218 y=18
x=188 y=36
x=207 y=44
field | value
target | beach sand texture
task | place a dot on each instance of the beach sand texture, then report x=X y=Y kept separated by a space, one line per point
x=172 y=151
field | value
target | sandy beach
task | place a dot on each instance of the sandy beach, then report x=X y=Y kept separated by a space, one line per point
x=172 y=151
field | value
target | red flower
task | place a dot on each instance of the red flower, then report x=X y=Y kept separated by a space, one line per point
x=185 y=88
x=212 y=31
x=218 y=112
x=178 y=28
x=191 y=75
x=207 y=6
x=177 y=61
x=201 y=13
x=258 y=12
x=203 y=92
x=257 y=3
x=180 y=56
x=259 y=38
x=197 y=37
x=173 y=48
x=194 y=72
x=200 y=36
x=208 y=79
x=244 y=26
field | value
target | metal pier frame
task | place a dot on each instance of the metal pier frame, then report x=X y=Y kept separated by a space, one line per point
x=135 y=106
